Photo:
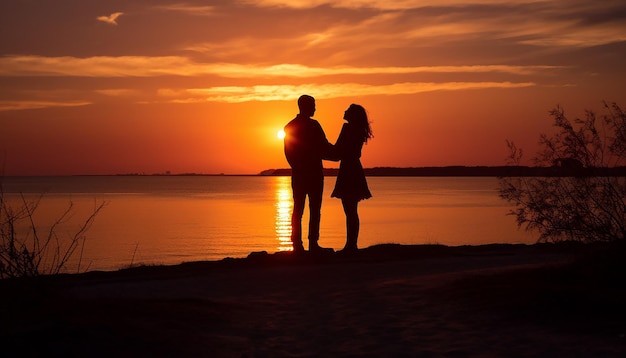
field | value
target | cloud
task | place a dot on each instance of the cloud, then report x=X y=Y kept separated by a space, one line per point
x=99 y=66
x=300 y=71
x=111 y=19
x=119 y=92
x=195 y=10
x=377 y=4
x=523 y=24
x=574 y=36
x=22 y=105
x=237 y=94
x=477 y=32
x=141 y=66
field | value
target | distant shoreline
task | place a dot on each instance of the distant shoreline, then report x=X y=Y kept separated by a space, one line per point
x=471 y=171
x=443 y=171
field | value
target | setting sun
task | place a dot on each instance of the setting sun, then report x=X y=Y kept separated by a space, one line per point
x=280 y=134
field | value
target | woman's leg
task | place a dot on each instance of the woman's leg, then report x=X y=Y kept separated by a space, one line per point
x=350 y=208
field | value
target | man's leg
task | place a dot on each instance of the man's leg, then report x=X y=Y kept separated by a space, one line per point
x=315 y=209
x=299 y=197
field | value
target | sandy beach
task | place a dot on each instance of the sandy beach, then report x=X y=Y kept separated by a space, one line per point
x=389 y=301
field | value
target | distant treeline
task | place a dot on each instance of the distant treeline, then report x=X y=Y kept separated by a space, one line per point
x=477 y=171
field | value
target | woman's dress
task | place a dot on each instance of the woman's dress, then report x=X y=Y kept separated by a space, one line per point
x=351 y=183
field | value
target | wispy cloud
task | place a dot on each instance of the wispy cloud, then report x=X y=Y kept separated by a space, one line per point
x=236 y=94
x=196 y=10
x=539 y=25
x=111 y=19
x=140 y=66
x=376 y=4
x=99 y=66
x=22 y=105
x=502 y=29
x=574 y=36
x=119 y=92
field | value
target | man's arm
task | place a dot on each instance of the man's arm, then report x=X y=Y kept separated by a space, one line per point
x=290 y=143
x=327 y=150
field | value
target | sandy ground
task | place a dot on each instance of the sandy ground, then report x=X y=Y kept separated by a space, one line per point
x=389 y=301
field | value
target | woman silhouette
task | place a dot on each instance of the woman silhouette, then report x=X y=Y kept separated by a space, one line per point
x=351 y=186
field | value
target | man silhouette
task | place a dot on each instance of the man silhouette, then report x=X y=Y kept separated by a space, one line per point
x=305 y=147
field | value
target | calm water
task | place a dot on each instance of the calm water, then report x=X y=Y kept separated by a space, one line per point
x=174 y=219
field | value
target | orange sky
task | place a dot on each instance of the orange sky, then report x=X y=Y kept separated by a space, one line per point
x=106 y=87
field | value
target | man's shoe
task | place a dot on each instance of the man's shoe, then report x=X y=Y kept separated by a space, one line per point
x=298 y=248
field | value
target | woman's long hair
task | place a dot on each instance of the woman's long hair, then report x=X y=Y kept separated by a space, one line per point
x=358 y=117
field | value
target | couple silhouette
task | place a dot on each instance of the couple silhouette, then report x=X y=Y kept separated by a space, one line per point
x=305 y=148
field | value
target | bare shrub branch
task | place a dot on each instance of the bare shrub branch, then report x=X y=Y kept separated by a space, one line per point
x=588 y=204
x=24 y=253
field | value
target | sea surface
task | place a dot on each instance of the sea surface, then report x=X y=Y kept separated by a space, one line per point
x=156 y=220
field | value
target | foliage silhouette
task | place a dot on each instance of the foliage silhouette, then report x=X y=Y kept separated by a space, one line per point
x=587 y=204
x=25 y=252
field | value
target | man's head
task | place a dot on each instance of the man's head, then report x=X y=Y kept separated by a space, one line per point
x=306 y=104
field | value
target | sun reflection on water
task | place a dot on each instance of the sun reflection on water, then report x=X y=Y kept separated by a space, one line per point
x=283 y=205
